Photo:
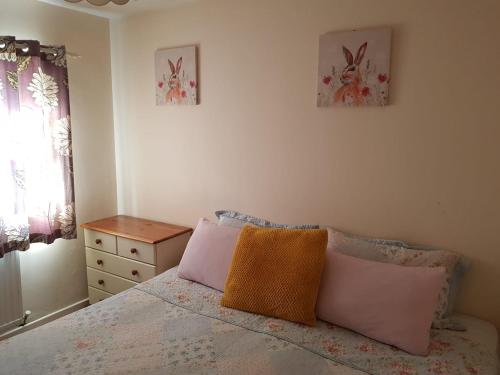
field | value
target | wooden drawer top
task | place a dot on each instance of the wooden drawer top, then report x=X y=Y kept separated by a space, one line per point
x=137 y=229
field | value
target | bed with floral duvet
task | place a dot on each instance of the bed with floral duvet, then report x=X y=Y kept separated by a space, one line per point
x=168 y=325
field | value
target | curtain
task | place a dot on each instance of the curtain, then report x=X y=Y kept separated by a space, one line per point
x=36 y=159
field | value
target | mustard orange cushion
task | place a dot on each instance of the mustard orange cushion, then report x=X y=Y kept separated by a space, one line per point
x=277 y=272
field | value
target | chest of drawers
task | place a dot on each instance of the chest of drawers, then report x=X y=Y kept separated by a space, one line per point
x=122 y=251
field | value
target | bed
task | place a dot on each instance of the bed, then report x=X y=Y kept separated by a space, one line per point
x=169 y=325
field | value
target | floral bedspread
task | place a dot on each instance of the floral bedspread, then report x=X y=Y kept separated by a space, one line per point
x=173 y=326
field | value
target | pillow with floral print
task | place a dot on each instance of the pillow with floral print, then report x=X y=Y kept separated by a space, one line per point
x=388 y=253
x=239 y=220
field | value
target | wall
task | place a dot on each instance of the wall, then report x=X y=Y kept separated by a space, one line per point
x=54 y=276
x=424 y=169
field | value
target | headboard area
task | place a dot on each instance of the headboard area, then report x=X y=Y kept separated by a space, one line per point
x=423 y=169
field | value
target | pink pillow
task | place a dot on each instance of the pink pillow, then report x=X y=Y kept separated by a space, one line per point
x=208 y=254
x=387 y=302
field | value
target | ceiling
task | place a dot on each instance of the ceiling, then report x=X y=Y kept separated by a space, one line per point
x=117 y=11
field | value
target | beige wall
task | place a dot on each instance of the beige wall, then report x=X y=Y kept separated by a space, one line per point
x=54 y=277
x=424 y=169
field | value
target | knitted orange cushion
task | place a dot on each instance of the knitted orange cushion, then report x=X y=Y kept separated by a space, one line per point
x=277 y=272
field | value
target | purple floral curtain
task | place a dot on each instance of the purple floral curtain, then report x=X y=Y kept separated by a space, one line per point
x=36 y=160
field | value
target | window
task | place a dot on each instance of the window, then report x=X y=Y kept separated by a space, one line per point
x=36 y=158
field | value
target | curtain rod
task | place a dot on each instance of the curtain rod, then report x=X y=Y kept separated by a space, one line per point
x=46 y=47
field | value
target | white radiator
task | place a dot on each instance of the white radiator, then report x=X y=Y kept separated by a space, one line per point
x=11 y=305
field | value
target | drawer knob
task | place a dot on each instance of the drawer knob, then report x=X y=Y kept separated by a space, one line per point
x=100 y=282
x=133 y=250
x=99 y=262
x=98 y=241
x=135 y=272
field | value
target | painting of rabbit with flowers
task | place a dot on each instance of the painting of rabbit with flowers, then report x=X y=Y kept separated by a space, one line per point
x=354 y=68
x=176 y=76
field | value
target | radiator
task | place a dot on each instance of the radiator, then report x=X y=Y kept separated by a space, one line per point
x=11 y=305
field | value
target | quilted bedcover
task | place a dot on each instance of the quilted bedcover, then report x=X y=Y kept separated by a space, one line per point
x=169 y=325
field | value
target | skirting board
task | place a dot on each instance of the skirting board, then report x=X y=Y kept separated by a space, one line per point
x=7 y=327
x=47 y=318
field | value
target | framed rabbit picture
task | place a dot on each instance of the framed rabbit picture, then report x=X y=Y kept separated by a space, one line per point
x=176 y=76
x=354 y=68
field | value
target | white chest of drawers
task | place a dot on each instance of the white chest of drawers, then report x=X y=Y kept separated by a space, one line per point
x=122 y=251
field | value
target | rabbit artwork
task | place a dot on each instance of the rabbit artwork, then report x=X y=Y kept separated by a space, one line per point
x=354 y=68
x=351 y=90
x=174 y=94
x=175 y=70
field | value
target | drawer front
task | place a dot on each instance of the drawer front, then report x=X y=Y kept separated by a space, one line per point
x=140 y=251
x=96 y=295
x=107 y=282
x=100 y=241
x=127 y=268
